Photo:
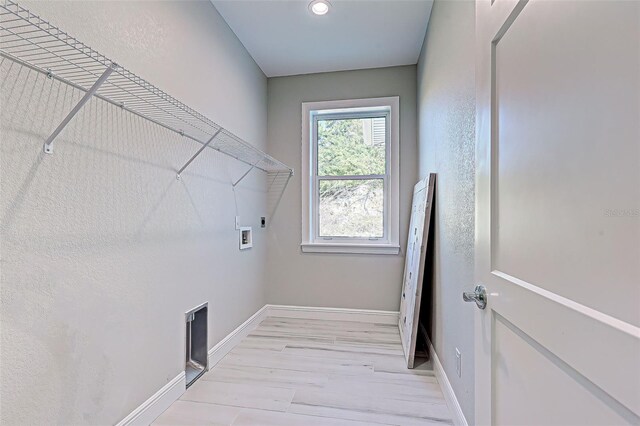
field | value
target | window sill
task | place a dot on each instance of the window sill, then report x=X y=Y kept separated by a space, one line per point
x=350 y=248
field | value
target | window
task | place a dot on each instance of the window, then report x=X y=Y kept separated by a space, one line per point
x=350 y=176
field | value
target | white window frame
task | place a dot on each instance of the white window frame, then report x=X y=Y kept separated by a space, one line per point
x=311 y=242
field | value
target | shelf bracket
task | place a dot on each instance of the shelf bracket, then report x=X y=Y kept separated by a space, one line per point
x=198 y=153
x=246 y=173
x=48 y=144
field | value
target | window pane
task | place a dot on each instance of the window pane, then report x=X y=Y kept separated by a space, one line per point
x=351 y=208
x=351 y=146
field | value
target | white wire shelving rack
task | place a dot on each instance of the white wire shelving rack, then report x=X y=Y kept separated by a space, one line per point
x=35 y=43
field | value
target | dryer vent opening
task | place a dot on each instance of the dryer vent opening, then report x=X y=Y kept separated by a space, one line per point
x=196 y=343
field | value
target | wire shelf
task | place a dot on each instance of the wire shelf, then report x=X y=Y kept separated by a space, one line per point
x=33 y=42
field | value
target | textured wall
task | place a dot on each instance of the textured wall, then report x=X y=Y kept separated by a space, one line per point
x=103 y=250
x=335 y=280
x=446 y=111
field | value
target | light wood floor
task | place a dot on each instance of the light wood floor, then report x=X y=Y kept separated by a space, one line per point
x=313 y=372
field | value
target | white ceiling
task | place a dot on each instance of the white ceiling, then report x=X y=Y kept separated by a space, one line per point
x=285 y=38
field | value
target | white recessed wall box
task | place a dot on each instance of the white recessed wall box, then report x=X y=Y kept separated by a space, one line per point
x=246 y=237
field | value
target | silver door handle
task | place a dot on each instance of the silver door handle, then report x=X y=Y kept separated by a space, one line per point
x=479 y=296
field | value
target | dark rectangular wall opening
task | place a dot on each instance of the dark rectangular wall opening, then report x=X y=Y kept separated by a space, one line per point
x=196 y=343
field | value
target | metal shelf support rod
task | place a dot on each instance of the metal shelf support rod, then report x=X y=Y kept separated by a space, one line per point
x=198 y=153
x=245 y=173
x=48 y=144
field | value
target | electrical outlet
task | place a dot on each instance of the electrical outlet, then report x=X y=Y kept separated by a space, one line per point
x=458 y=363
x=237 y=222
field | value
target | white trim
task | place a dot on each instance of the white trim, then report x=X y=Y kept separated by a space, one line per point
x=225 y=345
x=350 y=248
x=334 y=314
x=392 y=191
x=149 y=410
x=608 y=320
x=447 y=390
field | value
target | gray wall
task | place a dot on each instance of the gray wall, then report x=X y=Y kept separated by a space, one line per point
x=446 y=114
x=335 y=280
x=103 y=250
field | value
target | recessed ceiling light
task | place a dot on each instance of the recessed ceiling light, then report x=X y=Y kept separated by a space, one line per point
x=319 y=7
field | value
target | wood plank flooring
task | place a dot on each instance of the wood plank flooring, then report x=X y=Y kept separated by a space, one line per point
x=311 y=373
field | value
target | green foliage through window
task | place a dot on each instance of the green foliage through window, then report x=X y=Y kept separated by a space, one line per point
x=351 y=147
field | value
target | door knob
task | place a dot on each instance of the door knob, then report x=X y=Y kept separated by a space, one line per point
x=479 y=295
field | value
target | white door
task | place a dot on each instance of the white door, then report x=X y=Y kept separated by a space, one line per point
x=558 y=212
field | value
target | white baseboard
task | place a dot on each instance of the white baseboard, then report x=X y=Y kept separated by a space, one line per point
x=225 y=345
x=161 y=400
x=447 y=390
x=335 y=314
x=149 y=410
